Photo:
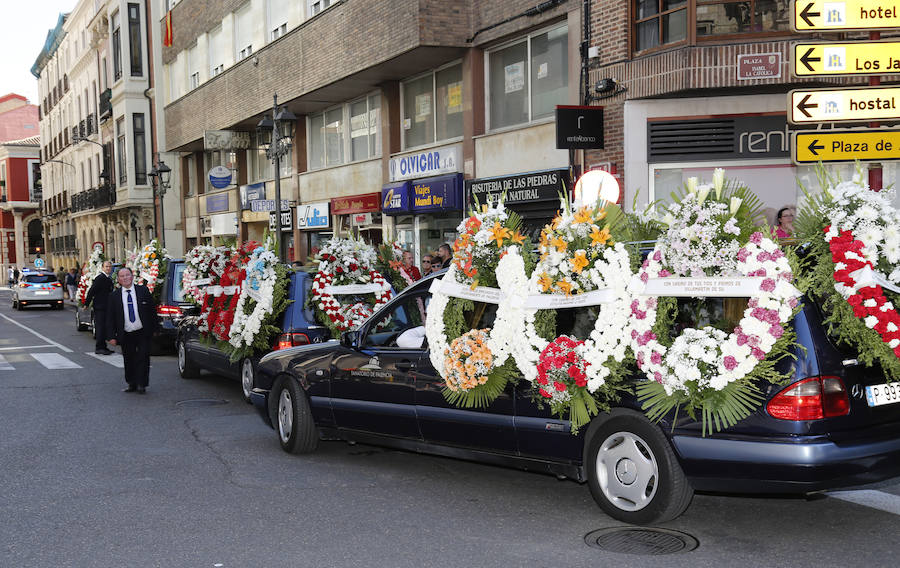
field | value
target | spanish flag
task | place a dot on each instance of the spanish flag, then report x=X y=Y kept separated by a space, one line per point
x=168 y=36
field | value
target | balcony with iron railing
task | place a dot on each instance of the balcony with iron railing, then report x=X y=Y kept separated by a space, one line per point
x=105 y=104
x=91 y=124
x=94 y=198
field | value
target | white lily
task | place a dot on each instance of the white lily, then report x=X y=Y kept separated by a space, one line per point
x=735 y=205
x=692 y=184
x=718 y=181
x=702 y=192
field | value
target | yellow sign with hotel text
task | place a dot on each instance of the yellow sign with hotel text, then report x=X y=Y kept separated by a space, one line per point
x=845 y=146
x=860 y=104
x=828 y=15
x=837 y=59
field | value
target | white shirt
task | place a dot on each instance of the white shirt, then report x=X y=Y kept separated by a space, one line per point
x=136 y=325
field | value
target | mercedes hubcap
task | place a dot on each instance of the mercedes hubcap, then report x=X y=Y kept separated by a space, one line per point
x=627 y=471
x=285 y=415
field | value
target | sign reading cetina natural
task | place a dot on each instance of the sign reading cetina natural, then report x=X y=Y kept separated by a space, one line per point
x=825 y=15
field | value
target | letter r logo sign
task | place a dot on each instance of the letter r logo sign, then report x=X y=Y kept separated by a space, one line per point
x=580 y=118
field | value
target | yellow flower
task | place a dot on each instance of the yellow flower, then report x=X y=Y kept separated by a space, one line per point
x=518 y=238
x=599 y=237
x=560 y=244
x=498 y=233
x=545 y=282
x=583 y=215
x=579 y=262
x=600 y=215
x=565 y=287
x=545 y=238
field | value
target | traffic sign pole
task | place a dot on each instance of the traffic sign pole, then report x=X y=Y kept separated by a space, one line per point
x=875 y=170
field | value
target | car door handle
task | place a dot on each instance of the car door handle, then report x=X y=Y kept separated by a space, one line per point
x=405 y=365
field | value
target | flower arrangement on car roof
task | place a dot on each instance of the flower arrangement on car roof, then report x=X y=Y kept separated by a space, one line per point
x=853 y=267
x=347 y=270
x=149 y=265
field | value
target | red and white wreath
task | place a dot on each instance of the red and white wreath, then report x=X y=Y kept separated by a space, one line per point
x=346 y=269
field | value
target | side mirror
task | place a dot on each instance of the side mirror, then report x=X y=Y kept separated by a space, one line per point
x=349 y=339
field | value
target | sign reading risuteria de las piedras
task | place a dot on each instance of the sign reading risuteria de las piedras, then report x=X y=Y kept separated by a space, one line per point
x=535 y=186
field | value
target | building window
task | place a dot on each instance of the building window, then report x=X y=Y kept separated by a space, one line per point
x=664 y=22
x=191 y=188
x=277 y=18
x=140 y=150
x=332 y=138
x=527 y=79
x=117 y=47
x=259 y=165
x=243 y=32
x=316 y=6
x=216 y=51
x=279 y=31
x=364 y=116
x=432 y=107
x=120 y=143
x=134 y=39
x=194 y=66
x=213 y=158
x=195 y=80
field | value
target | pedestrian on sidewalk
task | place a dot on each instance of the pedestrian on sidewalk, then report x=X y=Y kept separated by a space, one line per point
x=98 y=294
x=132 y=319
x=10 y=278
x=61 y=278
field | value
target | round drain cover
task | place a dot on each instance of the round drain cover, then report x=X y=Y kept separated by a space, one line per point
x=201 y=402
x=643 y=541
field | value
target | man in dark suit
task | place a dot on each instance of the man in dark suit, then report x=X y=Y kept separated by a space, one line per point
x=132 y=320
x=99 y=295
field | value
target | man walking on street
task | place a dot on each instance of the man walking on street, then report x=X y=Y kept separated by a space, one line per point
x=61 y=278
x=132 y=319
x=71 y=284
x=99 y=295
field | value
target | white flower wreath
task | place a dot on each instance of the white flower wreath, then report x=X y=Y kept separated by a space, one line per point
x=258 y=287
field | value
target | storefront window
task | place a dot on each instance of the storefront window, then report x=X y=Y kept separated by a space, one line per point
x=350 y=130
x=435 y=231
x=528 y=79
x=363 y=128
x=261 y=168
x=661 y=22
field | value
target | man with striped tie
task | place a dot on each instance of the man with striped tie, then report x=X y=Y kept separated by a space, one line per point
x=132 y=320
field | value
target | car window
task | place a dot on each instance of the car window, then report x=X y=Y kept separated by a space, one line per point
x=177 y=272
x=39 y=278
x=401 y=326
x=308 y=311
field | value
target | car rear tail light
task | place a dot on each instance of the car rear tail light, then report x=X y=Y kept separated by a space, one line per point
x=168 y=310
x=811 y=399
x=286 y=340
x=23 y=285
x=57 y=285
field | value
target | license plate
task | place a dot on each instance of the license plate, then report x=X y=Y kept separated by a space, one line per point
x=41 y=293
x=878 y=395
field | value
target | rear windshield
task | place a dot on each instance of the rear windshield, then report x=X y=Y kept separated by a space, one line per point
x=176 y=272
x=39 y=278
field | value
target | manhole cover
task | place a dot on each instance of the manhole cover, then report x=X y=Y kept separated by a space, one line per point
x=201 y=402
x=648 y=542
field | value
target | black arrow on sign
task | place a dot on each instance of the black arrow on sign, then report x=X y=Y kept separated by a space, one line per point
x=802 y=106
x=813 y=147
x=806 y=14
x=805 y=58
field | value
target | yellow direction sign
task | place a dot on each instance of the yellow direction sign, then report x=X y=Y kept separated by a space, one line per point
x=813 y=146
x=855 y=104
x=828 y=15
x=820 y=59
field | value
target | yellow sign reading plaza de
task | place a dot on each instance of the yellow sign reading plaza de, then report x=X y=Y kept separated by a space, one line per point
x=845 y=146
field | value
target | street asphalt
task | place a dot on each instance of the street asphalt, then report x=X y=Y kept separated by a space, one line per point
x=189 y=476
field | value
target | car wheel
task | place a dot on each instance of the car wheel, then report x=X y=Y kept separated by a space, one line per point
x=632 y=472
x=294 y=423
x=248 y=374
x=186 y=368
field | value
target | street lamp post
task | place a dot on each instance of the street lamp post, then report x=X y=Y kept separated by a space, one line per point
x=160 y=185
x=275 y=134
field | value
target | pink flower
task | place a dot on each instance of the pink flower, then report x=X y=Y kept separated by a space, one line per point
x=776 y=331
x=768 y=285
x=758 y=353
x=729 y=362
x=655 y=358
x=657 y=376
x=756 y=238
x=657 y=256
x=743 y=254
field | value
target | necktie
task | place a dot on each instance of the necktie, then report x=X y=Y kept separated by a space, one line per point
x=131 y=316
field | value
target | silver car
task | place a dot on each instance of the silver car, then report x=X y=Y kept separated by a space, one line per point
x=37 y=287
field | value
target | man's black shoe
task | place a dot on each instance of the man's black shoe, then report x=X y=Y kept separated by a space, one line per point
x=104 y=352
x=130 y=388
x=141 y=390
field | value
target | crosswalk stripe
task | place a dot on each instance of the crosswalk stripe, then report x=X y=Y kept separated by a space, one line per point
x=54 y=361
x=870 y=498
x=115 y=359
x=4 y=364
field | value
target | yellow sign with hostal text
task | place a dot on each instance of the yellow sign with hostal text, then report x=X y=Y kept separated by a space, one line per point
x=837 y=59
x=828 y=15
x=855 y=104
x=810 y=147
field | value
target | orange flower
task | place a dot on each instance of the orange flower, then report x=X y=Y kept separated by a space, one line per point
x=473 y=223
x=395 y=264
x=518 y=238
x=565 y=287
x=545 y=238
x=583 y=215
x=599 y=237
x=498 y=233
x=560 y=244
x=545 y=282
x=579 y=262
x=600 y=215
